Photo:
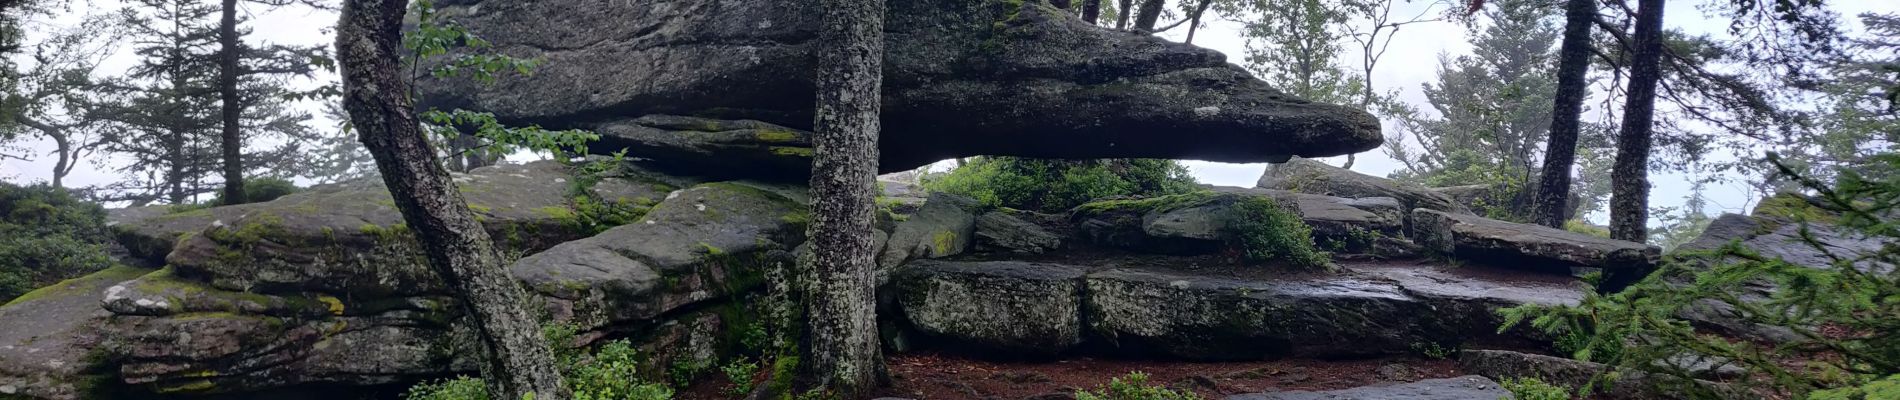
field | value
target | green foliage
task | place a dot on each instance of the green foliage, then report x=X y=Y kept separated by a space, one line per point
x=1528 y=388
x=1133 y=386
x=1264 y=231
x=1579 y=226
x=474 y=58
x=261 y=189
x=1888 y=388
x=1432 y=350
x=1844 y=313
x=608 y=373
x=740 y=373
x=1057 y=185
x=47 y=236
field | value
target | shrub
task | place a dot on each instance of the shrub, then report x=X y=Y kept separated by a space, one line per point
x=1843 y=313
x=1579 y=226
x=1058 y=185
x=1528 y=388
x=1263 y=231
x=1134 y=386
x=47 y=236
x=261 y=189
x=609 y=373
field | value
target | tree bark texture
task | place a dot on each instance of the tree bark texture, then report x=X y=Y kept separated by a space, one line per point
x=842 y=353
x=1091 y=11
x=1552 y=204
x=1148 y=15
x=1629 y=204
x=232 y=145
x=376 y=95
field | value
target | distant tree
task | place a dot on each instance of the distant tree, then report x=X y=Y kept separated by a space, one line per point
x=1629 y=202
x=165 y=116
x=1560 y=151
x=1492 y=111
x=50 y=97
x=237 y=62
x=381 y=106
x=1297 y=44
x=841 y=356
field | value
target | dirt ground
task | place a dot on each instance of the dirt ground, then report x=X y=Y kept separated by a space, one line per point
x=927 y=376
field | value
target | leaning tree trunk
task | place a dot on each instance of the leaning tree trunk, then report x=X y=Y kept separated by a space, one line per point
x=1552 y=204
x=842 y=354
x=232 y=145
x=376 y=95
x=1629 y=205
x=1148 y=15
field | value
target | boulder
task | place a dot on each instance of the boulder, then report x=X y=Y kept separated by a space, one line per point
x=49 y=339
x=1772 y=235
x=149 y=233
x=1314 y=177
x=943 y=227
x=1218 y=318
x=1005 y=231
x=1194 y=223
x=1469 y=387
x=711 y=148
x=962 y=78
x=1528 y=246
x=702 y=243
x=349 y=238
x=1012 y=307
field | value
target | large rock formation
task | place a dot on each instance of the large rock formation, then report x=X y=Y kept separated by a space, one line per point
x=1314 y=177
x=1526 y=245
x=962 y=77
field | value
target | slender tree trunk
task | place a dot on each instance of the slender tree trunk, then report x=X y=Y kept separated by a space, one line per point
x=1194 y=22
x=1148 y=15
x=1629 y=206
x=376 y=95
x=60 y=168
x=232 y=145
x=1091 y=11
x=1122 y=13
x=842 y=353
x=1550 y=208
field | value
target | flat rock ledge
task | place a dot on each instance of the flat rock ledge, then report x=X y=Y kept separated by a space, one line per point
x=1472 y=237
x=1470 y=387
x=1029 y=309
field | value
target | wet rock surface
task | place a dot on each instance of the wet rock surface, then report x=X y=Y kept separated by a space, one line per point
x=1531 y=246
x=1012 y=231
x=1459 y=388
x=1008 y=307
x=48 y=337
x=1373 y=309
x=962 y=77
x=1313 y=177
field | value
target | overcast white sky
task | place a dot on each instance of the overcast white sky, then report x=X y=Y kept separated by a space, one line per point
x=1411 y=61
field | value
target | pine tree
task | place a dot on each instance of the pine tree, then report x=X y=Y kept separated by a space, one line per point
x=842 y=354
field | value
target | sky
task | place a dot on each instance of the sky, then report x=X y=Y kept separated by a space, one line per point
x=1411 y=61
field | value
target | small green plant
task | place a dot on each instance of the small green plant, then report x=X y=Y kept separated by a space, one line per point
x=740 y=373
x=1058 y=185
x=608 y=373
x=1264 y=231
x=1432 y=350
x=1579 y=226
x=1133 y=386
x=1527 y=388
x=683 y=371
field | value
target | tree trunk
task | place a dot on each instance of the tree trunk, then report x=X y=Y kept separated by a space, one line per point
x=1194 y=22
x=63 y=166
x=376 y=95
x=232 y=145
x=842 y=354
x=1148 y=15
x=1550 y=208
x=1629 y=206
x=1121 y=13
x=1091 y=11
